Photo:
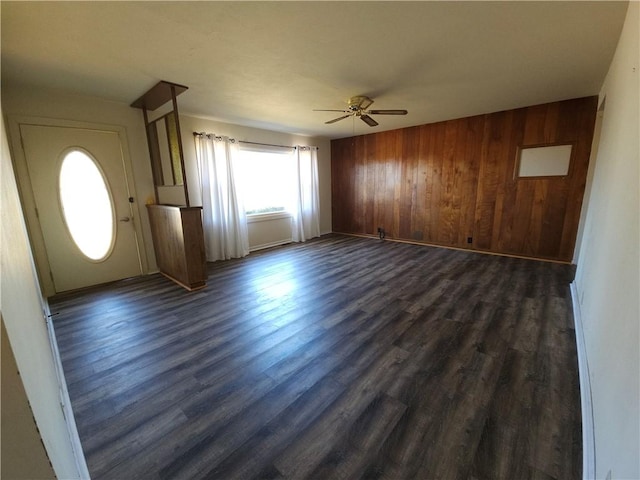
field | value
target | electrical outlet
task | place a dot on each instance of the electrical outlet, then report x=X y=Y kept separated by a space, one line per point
x=469 y=239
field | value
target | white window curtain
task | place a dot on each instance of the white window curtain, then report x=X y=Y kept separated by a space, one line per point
x=223 y=217
x=305 y=214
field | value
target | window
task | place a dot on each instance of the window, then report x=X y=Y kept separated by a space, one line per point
x=266 y=180
x=86 y=205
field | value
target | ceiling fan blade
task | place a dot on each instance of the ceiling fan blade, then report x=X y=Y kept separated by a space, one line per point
x=368 y=120
x=337 y=119
x=361 y=102
x=343 y=110
x=366 y=103
x=387 y=112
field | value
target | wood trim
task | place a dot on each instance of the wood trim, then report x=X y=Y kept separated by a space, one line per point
x=158 y=95
x=155 y=97
x=516 y=166
x=192 y=287
x=154 y=154
x=76 y=445
x=484 y=252
x=175 y=91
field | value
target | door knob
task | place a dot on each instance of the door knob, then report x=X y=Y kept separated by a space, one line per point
x=125 y=219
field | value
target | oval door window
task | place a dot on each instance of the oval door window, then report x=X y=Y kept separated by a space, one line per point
x=86 y=205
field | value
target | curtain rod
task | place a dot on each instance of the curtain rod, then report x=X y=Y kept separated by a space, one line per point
x=197 y=134
x=265 y=144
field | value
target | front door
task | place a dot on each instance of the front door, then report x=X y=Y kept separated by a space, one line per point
x=82 y=199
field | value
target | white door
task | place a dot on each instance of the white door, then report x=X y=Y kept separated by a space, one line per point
x=82 y=199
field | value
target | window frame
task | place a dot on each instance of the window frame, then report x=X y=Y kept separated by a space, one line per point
x=518 y=159
x=247 y=147
x=61 y=203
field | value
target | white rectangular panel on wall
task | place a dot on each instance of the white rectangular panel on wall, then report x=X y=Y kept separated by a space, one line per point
x=549 y=161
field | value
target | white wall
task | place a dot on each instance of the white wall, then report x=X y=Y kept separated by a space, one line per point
x=24 y=457
x=23 y=315
x=261 y=233
x=607 y=277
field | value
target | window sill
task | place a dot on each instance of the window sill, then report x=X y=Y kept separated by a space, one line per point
x=265 y=217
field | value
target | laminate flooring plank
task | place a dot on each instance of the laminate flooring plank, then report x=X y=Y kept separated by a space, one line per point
x=110 y=418
x=121 y=379
x=132 y=442
x=315 y=442
x=558 y=427
x=360 y=444
x=524 y=372
x=456 y=435
x=195 y=461
x=341 y=357
x=438 y=382
x=445 y=414
x=192 y=435
x=253 y=457
x=338 y=357
x=422 y=330
x=254 y=351
x=428 y=359
x=339 y=341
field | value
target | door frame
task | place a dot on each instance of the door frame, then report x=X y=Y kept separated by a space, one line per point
x=28 y=199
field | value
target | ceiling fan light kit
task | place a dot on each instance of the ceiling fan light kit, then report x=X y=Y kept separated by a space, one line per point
x=357 y=107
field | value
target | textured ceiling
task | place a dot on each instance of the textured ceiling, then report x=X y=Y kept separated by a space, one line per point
x=269 y=64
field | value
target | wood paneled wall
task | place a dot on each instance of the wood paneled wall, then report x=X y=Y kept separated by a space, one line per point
x=446 y=182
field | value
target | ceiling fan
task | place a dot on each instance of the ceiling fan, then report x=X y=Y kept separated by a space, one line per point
x=357 y=107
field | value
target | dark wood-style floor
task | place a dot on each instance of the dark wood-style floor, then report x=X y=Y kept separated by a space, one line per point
x=339 y=358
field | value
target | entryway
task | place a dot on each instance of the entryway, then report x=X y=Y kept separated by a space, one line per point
x=83 y=204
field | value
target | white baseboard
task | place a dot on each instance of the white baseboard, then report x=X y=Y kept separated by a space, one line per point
x=269 y=245
x=588 y=434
